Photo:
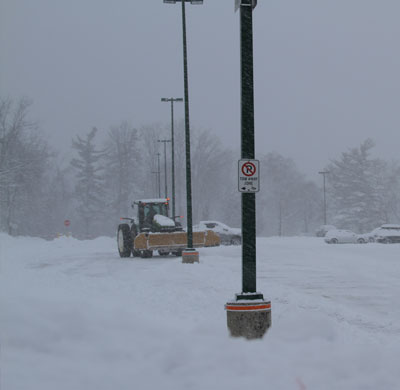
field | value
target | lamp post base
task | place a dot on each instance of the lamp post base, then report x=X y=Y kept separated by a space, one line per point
x=248 y=316
x=190 y=256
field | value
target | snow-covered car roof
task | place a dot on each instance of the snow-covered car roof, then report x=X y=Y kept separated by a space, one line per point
x=219 y=227
x=387 y=231
x=338 y=233
x=155 y=200
x=390 y=226
x=219 y=223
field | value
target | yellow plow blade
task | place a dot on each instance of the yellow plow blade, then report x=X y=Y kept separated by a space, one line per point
x=175 y=240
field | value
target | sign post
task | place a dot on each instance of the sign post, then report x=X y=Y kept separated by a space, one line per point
x=248 y=315
x=67 y=222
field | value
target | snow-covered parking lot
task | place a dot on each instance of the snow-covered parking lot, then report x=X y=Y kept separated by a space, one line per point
x=76 y=316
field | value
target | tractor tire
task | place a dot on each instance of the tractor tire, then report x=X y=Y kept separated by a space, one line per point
x=146 y=254
x=135 y=252
x=236 y=241
x=178 y=253
x=163 y=253
x=124 y=240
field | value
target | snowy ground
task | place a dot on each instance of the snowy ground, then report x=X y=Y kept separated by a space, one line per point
x=76 y=316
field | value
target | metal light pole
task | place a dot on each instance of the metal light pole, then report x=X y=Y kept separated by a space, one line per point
x=172 y=100
x=158 y=172
x=187 y=126
x=165 y=163
x=324 y=173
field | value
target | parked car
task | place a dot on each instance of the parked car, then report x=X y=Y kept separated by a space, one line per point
x=228 y=235
x=338 y=236
x=323 y=229
x=386 y=234
x=364 y=238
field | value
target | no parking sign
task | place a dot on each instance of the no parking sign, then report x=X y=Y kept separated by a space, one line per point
x=248 y=176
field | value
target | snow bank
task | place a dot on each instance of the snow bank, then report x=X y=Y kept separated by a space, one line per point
x=76 y=316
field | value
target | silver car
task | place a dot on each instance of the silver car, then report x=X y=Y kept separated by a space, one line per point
x=386 y=234
x=338 y=236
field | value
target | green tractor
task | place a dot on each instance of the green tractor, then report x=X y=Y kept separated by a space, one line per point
x=153 y=230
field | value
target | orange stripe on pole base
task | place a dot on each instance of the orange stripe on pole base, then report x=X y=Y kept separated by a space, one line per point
x=260 y=307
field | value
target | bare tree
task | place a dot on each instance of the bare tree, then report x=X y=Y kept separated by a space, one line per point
x=123 y=167
x=23 y=163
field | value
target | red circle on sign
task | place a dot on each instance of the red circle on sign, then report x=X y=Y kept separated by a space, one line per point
x=67 y=222
x=250 y=169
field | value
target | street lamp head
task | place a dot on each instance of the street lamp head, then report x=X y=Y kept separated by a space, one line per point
x=195 y=2
x=172 y=99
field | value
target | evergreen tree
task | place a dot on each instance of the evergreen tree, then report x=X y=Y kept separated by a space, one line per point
x=357 y=188
x=89 y=188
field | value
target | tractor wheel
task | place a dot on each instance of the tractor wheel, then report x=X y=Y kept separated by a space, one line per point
x=236 y=241
x=146 y=254
x=178 y=253
x=135 y=252
x=163 y=253
x=124 y=240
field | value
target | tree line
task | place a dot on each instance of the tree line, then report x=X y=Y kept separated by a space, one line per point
x=97 y=186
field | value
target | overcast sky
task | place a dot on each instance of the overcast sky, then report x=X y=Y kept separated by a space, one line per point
x=327 y=73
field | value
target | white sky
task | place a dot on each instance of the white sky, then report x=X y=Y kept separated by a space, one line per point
x=326 y=73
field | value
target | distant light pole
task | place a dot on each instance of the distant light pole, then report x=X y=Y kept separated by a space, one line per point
x=158 y=175
x=165 y=163
x=324 y=173
x=187 y=126
x=172 y=100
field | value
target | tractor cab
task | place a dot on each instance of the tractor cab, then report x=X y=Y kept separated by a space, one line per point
x=152 y=215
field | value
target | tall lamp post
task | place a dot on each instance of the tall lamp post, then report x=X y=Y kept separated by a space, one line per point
x=165 y=163
x=158 y=175
x=172 y=100
x=187 y=132
x=324 y=173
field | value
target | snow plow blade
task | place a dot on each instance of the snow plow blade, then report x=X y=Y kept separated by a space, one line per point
x=175 y=240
